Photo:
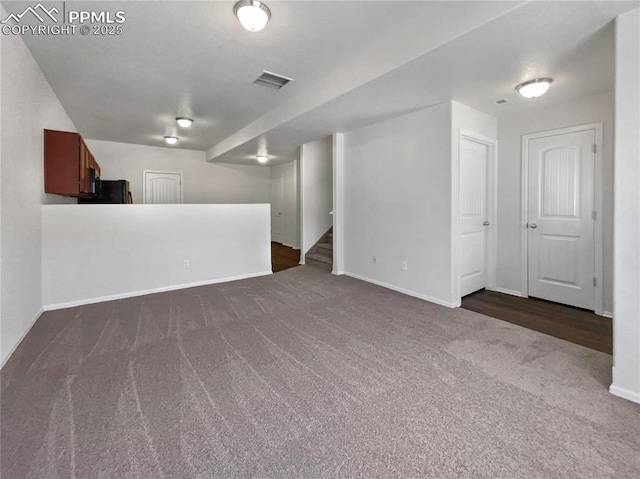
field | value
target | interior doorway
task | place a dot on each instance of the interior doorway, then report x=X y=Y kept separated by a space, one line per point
x=476 y=220
x=276 y=199
x=161 y=187
x=561 y=250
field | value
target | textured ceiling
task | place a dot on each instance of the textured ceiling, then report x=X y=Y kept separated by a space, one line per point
x=353 y=62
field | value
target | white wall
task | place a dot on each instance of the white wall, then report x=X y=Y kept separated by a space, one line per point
x=100 y=252
x=598 y=108
x=28 y=100
x=290 y=214
x=626 y=317
x=203 y=182
x=316 y=191
x=397 y=203
x=338 y=203
x=476 y=122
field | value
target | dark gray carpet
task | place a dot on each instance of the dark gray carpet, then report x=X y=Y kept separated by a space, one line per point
x=303 y=374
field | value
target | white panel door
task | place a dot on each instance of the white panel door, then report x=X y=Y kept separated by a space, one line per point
x=474 y=159
x=276 y=198
x=162 y=187
x=561 y=258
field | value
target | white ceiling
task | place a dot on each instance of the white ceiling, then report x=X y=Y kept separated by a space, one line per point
x=354 y=63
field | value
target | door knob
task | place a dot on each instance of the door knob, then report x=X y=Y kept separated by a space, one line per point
x=533 y=225
x=485 y=223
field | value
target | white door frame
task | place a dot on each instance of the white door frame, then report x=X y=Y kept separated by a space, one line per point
x=282 y=207
x=492 y=216
x=597 y=205
x=144 y=183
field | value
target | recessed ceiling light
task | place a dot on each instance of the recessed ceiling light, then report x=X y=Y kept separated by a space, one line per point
x=534 y=88
x=171 y=140
x=262 y=158
x=184 y=122
x=252 y=14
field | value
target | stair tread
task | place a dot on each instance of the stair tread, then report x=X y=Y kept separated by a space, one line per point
x=325 y=245
x=320 y=257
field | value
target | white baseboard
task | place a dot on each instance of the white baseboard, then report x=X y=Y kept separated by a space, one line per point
x=338 y=273
x=13 y=350
x=512 y=292
x=133 y=294
x=404 y=291
x=607 y=314
x=625 y=394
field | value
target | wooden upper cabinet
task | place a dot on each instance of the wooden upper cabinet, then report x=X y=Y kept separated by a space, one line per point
x=69 y=167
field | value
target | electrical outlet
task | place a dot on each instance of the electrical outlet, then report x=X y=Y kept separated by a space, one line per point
x=185 y=264
x=404 y=266
x=374 y=259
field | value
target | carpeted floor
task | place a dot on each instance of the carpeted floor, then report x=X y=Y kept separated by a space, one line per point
x=306 y=375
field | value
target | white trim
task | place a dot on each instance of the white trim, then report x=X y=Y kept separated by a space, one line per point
x=491 y=248
x=512 y=292
x=301 y=202
x=163 y=289
x=607 y=314
x=24 y=335
x=338 y=273
x=338 y=200
x=625 y=393
x=404 y=291
x=597 y=205
x=598 y=195
x=144 y=183
x=282 y=208
x=289 y=246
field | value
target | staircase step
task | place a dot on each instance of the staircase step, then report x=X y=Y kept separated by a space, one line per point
x=325 y=246
x=319 y=264
x=322 y=258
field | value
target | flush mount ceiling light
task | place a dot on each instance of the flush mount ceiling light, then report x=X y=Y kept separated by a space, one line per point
x=262 y=158
x=252 y=14
x=171 y=140
x=184 y=122
x=534 y=88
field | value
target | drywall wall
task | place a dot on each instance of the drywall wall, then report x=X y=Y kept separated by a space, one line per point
x=626 y=313
x=470 y=121
x=290 y=215
x=593 y=109
x=101 y=252
x=203 y=182
x=30 y=103
x=316 y=191
x=338 y=203
x=397 y=203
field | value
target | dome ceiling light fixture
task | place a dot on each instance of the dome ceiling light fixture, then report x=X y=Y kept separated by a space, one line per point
x=171 y=140
x=252 y=14
x=534 y=88
x=184 y=122
x=262 y=158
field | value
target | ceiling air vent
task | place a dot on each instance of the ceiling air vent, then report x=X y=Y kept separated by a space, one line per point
x=272 y=80
x=502 y=101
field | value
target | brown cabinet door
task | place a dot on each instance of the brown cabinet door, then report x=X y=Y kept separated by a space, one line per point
x=61 y=162
x=68 y=164
x=85 y=165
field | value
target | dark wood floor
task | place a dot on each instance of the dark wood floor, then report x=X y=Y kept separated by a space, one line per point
x=565 y=322
x=283 y=257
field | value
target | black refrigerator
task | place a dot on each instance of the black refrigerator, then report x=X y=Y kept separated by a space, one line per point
x=110 y=192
